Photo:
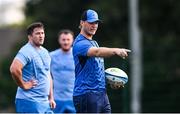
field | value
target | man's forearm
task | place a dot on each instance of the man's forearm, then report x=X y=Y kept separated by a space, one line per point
x=17 y=77
x=107 y=52
x=102 y=52
x=51 y=89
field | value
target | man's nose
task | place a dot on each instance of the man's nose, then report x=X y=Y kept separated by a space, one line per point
x=94 y=24
x=41 y=35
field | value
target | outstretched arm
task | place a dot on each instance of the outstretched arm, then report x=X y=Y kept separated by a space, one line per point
x=107 y=52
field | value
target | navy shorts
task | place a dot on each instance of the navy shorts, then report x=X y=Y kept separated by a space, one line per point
x=92 y=102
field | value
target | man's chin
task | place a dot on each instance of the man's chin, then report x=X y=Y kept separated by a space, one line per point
x=92 y=33
x=41 y=43
x=65 y=49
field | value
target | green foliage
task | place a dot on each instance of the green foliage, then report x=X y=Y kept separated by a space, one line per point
x=7 y=86
x=160 y=25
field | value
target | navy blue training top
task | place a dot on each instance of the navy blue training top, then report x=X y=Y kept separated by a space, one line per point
x=89 y=71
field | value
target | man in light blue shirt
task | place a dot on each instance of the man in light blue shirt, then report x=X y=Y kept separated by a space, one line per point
x=30 y=70
x=62 y=70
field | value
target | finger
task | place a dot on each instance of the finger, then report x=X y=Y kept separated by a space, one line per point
x=54 y=105
x=127 y=50
x=124 y=54
x=34 y=83
x=122 y=85
x=121 y=53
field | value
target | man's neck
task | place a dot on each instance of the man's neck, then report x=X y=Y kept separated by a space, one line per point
x=65 y=50
x=35 y=46
x=86 y=35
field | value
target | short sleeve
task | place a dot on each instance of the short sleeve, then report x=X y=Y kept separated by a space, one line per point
x=22 y=57
x=81 y=48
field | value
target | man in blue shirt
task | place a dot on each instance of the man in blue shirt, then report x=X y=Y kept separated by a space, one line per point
x=63 y=73
x=30 y=70
x=90 y=91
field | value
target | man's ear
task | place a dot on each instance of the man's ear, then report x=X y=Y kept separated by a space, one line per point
x=81 y=23
x=29 y=37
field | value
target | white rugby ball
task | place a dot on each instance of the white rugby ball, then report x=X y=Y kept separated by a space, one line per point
x=116 y=75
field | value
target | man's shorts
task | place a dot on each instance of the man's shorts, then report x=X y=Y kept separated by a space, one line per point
x=27 y=106
x=92 y=102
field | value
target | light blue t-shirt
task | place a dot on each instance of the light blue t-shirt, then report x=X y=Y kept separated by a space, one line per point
x=36 y=65
x=63 y=73
x=89 y=71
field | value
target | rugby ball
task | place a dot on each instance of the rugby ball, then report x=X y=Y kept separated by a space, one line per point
x=116 y=75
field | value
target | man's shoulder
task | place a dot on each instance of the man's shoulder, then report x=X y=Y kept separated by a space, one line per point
x=26 y=48
x=44 y=49
x=24 y=53
x=81 y=40
x=54 y=52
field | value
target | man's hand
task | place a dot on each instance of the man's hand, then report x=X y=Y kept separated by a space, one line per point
x=30 y=84
x=52 y=103
x=122 y=52
x=116 y=85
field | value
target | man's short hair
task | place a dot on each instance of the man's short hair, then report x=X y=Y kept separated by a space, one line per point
x=32 y=26
x=65 y=31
